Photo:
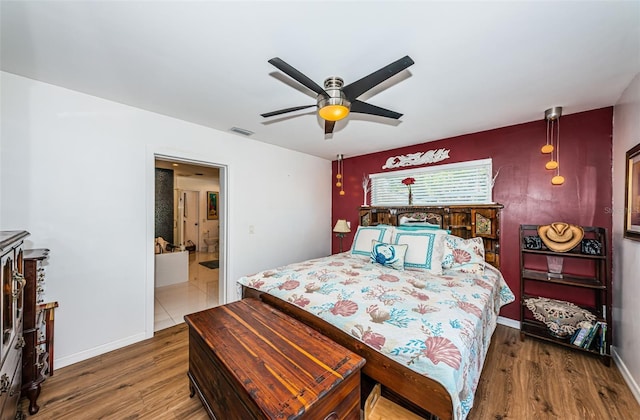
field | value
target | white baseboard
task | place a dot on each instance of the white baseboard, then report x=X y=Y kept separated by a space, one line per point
x=508 y=322
x=96 y=351
x=633 y=385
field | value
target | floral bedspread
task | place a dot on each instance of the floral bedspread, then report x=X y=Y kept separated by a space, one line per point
x=439 y=326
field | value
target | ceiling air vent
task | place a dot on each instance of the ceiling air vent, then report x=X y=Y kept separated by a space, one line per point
x=241 y=131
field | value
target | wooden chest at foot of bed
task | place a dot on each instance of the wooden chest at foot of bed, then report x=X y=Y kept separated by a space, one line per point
x=250 y=361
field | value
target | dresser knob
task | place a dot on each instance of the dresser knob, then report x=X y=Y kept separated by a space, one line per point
x=332 y=416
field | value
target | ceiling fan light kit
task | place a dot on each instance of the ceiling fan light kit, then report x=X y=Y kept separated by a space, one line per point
x=336 y=101
x=335 y=106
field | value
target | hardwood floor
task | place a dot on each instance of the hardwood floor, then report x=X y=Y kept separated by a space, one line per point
x=147 y=380
x=520 y=380
x=533 y=379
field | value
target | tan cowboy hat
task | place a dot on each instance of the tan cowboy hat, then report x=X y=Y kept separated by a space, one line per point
x=560 y=237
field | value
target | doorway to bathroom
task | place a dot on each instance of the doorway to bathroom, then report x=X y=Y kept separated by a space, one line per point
x=187 y=239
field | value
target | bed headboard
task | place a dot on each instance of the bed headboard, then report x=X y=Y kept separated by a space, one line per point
x=466 y=221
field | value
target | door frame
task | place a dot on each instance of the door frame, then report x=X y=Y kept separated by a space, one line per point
x=223 y=203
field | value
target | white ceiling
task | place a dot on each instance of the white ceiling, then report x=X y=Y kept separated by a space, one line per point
x=478 y=65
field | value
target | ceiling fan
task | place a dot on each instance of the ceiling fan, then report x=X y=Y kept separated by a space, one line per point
x=335 y=101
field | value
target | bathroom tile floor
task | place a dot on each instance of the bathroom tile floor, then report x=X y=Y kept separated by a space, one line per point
x=175 y=301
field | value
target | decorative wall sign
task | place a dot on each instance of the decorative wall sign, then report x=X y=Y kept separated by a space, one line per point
x=419 y=158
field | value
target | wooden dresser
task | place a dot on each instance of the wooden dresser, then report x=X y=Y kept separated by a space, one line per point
x=250 y=361
x=37 y=354
x=11 y=310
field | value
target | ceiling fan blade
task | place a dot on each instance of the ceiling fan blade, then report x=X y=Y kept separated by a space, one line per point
x=284 y=111
x=297 y=75
x=357 y=88
x=365 y=108
x=328 y=126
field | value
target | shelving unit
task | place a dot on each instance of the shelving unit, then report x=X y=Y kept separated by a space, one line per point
x=586 y=272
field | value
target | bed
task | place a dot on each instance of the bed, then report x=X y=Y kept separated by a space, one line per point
x=418 y=303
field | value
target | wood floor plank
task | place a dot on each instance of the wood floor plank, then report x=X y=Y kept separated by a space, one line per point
x=520 y=380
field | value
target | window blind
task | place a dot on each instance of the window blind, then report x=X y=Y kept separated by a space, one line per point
x=456 y=183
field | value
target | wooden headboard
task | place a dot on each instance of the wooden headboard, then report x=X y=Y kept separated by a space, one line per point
x=465 y=221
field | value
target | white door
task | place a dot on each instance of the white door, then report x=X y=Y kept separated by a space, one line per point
x=191 y=208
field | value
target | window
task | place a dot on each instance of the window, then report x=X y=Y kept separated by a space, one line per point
x=455 y=183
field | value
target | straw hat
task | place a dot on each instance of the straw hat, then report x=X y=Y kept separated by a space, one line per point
x=560 y=237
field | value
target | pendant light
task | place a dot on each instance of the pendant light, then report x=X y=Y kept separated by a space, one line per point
x=552 y=116
x=339 y=174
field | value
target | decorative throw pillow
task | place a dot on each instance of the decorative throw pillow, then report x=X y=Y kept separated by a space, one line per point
x=365 y=234
x=389 y=255
x=425 y=249
x=464 y=255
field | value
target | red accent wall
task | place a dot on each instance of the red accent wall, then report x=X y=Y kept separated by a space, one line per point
x=523 y=185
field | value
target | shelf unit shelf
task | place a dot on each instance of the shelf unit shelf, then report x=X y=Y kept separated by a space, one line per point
x=564 y=254
x=538 y=330
x=594 y=279
x=566 y=279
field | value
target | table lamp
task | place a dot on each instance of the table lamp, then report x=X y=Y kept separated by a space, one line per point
x=341 y=229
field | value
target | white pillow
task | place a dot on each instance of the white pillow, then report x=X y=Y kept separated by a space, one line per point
x=365 y=234
x=425 y=249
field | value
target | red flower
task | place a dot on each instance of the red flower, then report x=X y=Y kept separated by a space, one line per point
x=408 y=181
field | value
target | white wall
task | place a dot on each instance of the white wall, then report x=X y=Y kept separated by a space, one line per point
x=78 y=173
x=626 y=253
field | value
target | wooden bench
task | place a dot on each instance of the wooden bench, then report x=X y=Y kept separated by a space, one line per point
x=250 y=361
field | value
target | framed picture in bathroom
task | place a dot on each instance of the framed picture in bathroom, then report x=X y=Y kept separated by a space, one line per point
x=212 y=205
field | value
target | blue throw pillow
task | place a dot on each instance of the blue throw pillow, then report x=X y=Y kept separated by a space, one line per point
x=388 y=255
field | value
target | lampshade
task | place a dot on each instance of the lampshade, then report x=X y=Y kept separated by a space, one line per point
x=557 y=180
x=341 y=226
